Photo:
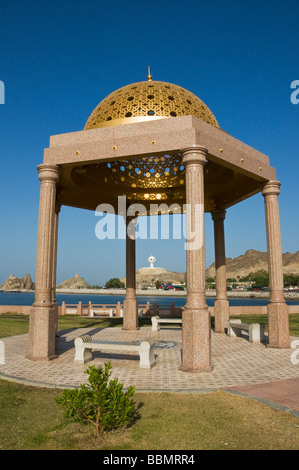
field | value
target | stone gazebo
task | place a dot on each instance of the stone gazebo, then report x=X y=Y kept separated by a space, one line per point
x=155 y=142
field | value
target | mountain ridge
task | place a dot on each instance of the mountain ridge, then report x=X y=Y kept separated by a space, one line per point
x=251 y=261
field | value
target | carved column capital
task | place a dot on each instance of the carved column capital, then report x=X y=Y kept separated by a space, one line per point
x=194 y=154
x=218 y=214
x=271 y=188
x=48 y=173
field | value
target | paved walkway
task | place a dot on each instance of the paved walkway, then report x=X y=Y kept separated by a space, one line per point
x=239 y=366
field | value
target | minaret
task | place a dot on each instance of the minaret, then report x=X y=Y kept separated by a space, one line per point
x=151 y=261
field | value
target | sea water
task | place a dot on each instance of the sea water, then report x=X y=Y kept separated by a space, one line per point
x=27 y=298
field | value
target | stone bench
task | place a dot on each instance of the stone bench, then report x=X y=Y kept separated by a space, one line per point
x=101 y=311
x=255 y=330
x=85 y=345
x=156 y=320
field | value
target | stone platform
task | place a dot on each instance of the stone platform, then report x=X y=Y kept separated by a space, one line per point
x=239 y=366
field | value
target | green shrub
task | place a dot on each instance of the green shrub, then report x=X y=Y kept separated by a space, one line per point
x=102 y=402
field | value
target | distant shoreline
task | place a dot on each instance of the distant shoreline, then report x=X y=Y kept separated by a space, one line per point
x=170 y=293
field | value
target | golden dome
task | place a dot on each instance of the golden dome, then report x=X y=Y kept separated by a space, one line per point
x=145 y=101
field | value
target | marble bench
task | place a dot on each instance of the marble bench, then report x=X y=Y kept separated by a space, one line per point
x=101 y=311
x=156 y=320
x=255 y=330
x=84 y=346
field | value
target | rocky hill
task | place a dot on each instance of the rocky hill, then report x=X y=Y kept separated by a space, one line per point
x=240 y=266
x=291 y=263
x=147 y=276
x=74 y=283
x=253 y=261
x=15 y=283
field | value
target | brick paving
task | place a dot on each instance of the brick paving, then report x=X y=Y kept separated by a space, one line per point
x=239 y=366
x=281 y=392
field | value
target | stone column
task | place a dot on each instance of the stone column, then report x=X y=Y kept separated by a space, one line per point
x=221 y=305
x=55 y=242
x=130 y=315
x=42 y=329
x=278 y=311
x=196 y=325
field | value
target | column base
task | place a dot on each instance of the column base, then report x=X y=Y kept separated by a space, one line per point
x=278 y=325
x=50 y=358
x=195 y=371
x=42 y=333
x=130 y=315
x=196 y=341
x=221 y=315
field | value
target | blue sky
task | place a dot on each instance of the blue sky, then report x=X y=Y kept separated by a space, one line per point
x=59 y=59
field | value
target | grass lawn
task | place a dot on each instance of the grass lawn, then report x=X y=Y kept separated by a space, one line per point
x=31 y=419
x=13 y=324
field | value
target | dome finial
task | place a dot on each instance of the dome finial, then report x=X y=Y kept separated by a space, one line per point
x=149 y=77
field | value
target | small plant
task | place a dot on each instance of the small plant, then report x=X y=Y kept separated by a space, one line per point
x=102 y=402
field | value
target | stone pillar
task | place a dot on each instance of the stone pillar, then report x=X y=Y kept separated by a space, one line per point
x=79 y=309
x=196 y=325
x=130 y=315
x=42 y=324
x=221 y=305
x=55 y=243
x=278 y=311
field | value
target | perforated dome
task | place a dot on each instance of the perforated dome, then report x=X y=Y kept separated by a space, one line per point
x=148 y=100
